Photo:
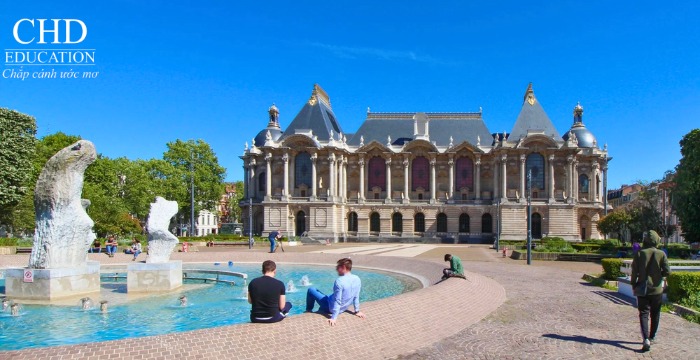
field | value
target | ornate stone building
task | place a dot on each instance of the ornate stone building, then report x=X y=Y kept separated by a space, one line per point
x=413 y=176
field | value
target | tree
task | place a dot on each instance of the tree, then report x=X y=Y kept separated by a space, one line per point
x=614 y=222
x=17 y=148
x=196 y=158
x=234 y=209
x=685 y=196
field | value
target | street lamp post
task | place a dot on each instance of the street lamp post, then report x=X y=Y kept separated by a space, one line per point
x=250 y=223
x=498 y=225
x=529 y=217
x=192 y=226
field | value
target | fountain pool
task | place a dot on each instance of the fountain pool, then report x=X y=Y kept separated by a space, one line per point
x=208 y=305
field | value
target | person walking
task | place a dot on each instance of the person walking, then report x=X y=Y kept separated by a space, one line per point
x=267 y=296
x=649 y=268
x=346 y=292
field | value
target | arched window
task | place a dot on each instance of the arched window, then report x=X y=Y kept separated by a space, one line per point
x=535 y=165
x=486 y=224
x=419 y=223
x=464 y=223
x=374 y=223
x=302 y=169
x=464 y=170
x=352 y=221
x=262 y=181
x=396 y=222
x=420 y=173
x=441 y=223
x=376 y=171
x=583 y=183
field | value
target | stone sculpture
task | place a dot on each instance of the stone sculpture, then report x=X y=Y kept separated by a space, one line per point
x=63 y=228
x=160 y=240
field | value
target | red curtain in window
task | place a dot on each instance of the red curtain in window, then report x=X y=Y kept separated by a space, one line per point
x=464 y=173
x=376 y=173
x=420 y=173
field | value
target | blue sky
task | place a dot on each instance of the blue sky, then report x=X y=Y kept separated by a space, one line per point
x=209 y=70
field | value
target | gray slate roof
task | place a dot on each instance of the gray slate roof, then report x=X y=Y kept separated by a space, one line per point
x=461 y=126
x=532 y=117
x=316 y=115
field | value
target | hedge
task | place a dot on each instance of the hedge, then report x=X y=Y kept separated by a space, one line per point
x=611 y=268
x=684 y=287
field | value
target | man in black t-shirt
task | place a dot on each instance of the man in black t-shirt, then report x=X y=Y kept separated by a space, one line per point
x=267 y=295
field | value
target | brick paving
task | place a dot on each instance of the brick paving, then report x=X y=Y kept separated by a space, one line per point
x=395 y=326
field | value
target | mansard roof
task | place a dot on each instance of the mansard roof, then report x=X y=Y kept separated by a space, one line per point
x=400 y=126
x=532 y=118
x=317 y=116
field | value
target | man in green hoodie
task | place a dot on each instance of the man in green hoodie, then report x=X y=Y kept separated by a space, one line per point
x=455 y=269
x=649 y=268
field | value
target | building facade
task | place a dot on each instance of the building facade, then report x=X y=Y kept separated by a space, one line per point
x=406 y=176
x=207 y=223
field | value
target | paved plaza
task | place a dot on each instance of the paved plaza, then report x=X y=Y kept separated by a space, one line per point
x=507 y=310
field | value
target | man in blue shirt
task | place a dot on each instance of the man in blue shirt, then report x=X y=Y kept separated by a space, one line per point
x=346 y=292
x=272 y=237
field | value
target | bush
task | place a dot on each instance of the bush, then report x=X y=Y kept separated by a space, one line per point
x=586 y=247
x=8 y=242
x=611 y=268
x=684 y=288
x=555 y=245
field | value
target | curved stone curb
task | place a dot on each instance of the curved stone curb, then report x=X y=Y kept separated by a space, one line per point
x=395 y=326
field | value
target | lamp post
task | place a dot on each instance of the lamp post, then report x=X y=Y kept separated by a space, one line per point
x=498 y=225
x=529 y=217
x=250 y=223
x=192 y=226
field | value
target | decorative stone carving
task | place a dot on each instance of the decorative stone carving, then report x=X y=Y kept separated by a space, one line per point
x=362 y=141
x=160 y=240
x=478 y=140
x=63 y=228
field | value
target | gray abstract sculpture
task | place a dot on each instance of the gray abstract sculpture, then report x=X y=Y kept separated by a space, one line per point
x=160 y=240
x=63 y=228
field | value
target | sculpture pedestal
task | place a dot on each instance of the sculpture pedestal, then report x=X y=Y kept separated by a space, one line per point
x=52 y=284
x=153 y=277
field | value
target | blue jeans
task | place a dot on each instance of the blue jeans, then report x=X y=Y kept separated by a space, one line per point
x=111 y=249
x=272 y=245
x=94 y=250
x=314 y=296
x=278 y=316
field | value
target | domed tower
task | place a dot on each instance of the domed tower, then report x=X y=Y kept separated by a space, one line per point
x=583 y=135
x=273 y=127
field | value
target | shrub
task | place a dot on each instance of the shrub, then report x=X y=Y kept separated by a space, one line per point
x=684 y=287
x=611 y=268
x=555 y=245
x=8 y=242
x=586 y=247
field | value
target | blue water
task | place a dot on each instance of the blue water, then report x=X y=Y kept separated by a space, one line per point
x=209 y=306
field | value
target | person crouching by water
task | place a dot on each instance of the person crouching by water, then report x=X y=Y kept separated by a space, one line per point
x=346 y=292
x=455 y=269
x=649 y=268
x=267 y=296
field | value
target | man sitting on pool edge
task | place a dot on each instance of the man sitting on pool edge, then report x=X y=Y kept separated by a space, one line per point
x=346 y=292
x=455 y=269
x=267 y=296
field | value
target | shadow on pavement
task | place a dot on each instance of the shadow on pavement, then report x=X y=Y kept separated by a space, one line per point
x=616 y=298
x=591 y=341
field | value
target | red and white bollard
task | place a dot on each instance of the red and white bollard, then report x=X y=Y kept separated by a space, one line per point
x=185 y=246
x=505 y=251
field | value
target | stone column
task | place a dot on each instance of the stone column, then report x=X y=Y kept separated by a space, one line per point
x=344 y=177
x=251 y=179
x=314 y=157
x=451 y=164
x=405 y=179
x=477 y=178
x=574 y=180
x=504 y=175
x=361 y=163
x=432 y=178
x=522 y=178
x=331 y=176
x=245 y=180
x=268 y=176
x=495 y=179
x=285 y=159
x=592 y=182
x=569 y=175
x=388 y=178
x=551 y=177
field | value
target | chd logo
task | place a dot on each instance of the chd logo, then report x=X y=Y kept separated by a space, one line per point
x=34 y=27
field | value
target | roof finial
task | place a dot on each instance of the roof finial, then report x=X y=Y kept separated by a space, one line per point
x=578 y=114
x=319 y=94
x=274 y=114
x=530 y=95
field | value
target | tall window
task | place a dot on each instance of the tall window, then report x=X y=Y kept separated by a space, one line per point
x=441 y=223
x=464 y=177
x=396 y=222
x=302 y=169
x=352 y=221
x=376 y=173
x=420 y=173
x=535 y=165
x=262 y=181
x=419 y=223
x=464 y=223
x=486 y=224
x=583 y=183
x=374 y=223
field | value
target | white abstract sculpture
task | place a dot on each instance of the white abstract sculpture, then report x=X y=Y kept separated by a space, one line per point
x=160 y=240
x=63 y=229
